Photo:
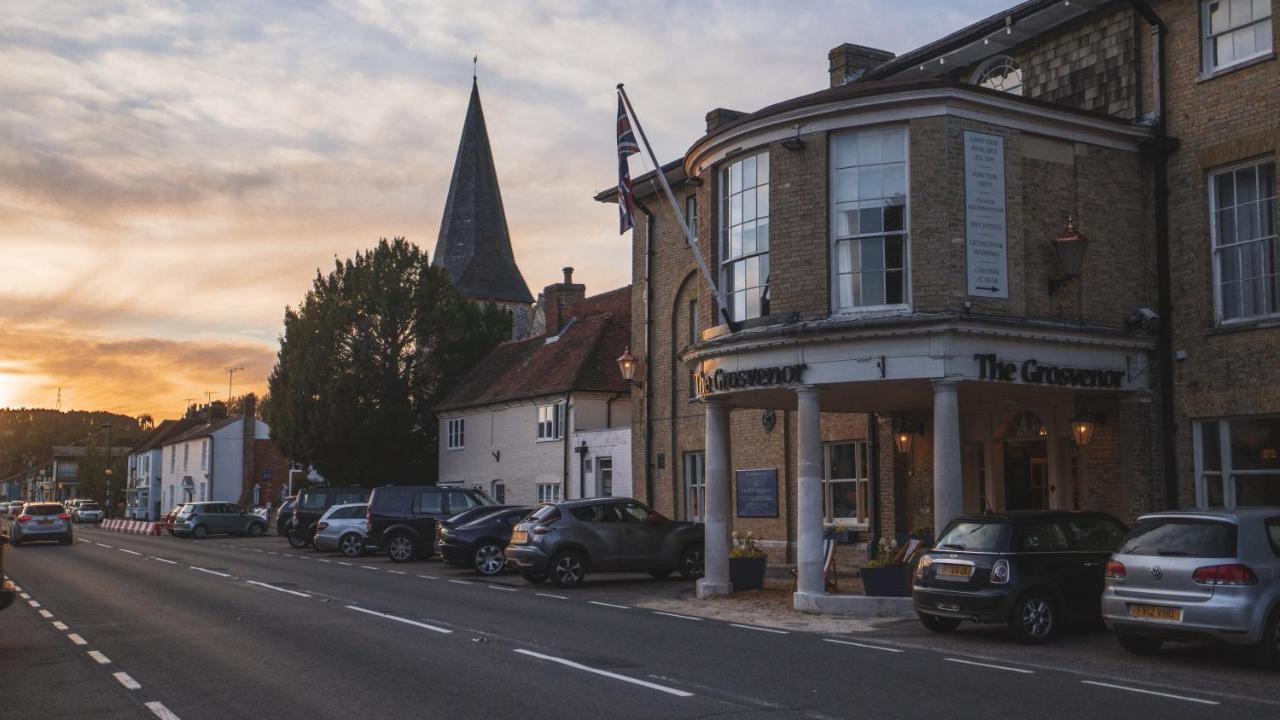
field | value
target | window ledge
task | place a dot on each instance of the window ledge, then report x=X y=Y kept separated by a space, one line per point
x=1267 y=323
x=1228 y=69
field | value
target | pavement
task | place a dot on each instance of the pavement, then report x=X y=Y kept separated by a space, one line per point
x=144 y=627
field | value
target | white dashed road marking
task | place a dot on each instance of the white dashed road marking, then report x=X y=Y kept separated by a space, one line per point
x=102 y=659
x=609 y=605
x=861 y=645
x=161 y=711
x=278 y=589
x=428 y=577
x=33 y=603
x=24 y=596
x=606 y=673
x=674 y=615
x=461 y=582
x=84 y=541
x=131 y=552
x=1150 y=692
x=128 y=682
x=164 y=561
x=406 y=621
x=77 y=639
x=344 y=563
x=993 y=667
x=370 y=567
x=323 y=560
x=211 y=572
x=760 y=629
x=59 y=625
x=554 y=597
x=46 y=614
x=105 y=546
x=397 y=572
x=504 y=588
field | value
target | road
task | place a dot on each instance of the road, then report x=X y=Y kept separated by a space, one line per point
x=121 y=626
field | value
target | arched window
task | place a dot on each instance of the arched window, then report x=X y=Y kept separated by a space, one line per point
x=1000 y=73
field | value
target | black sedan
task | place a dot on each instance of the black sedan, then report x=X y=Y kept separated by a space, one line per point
x=480 y=543
x=1032 y=570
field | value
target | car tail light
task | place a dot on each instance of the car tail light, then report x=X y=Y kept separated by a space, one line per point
x=64 y=516
x=321 y=526
x=1115 y=569
x=25 y=518
x=1234 y=574
x=1000 y=572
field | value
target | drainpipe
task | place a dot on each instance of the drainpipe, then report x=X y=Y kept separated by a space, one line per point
x=648 y=354
x=1161 y=147
x=873 y=479
x=566 y=436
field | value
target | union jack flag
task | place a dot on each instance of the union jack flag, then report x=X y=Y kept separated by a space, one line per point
x=626 y=146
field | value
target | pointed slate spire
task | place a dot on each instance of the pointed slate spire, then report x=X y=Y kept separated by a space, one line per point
x=474 y=246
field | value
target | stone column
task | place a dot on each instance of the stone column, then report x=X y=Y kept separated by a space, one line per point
x=809 y=560
x=948 y=482
x=715 y=581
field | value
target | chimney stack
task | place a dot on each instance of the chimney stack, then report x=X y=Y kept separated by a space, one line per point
x=849 y=62
x=722 y=116
x=562 y=301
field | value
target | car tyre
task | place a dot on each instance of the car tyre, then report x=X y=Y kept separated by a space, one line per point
x=297 y=541
x=256 y=530
x=402 y=548
x=1139 y=644
x=489 y=559
x=692 y=562
x=1034 y=618
x=940 y=625
x=351 y=545
x=1269 y=648
x=568 y=569
x=200 y=532
x=660 y=574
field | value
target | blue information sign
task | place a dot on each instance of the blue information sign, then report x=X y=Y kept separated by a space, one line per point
x=757 y=493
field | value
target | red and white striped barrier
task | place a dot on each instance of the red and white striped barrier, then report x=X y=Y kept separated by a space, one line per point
x=132 y=527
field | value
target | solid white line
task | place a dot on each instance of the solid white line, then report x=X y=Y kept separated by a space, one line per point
x=77 y=639
x=993 y=667
x=277 y=589
x=211 y=572
x=1151 y=692
x=606 y=673
x=605 y=604
x=128 y=682
x=131 y=552
x=504 y=588
x=674 y=615
x=164 y=561
x=33 y=603
x=406 y=621
x=760 y=629
x=105 y=546
x=59 y=625
x=102 y=659
x=549 y=595
x=46 y=614
x=161 y=711
x=861 y=645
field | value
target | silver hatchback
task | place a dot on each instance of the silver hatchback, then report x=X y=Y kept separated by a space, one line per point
x=1197 y=576
x=343 y=528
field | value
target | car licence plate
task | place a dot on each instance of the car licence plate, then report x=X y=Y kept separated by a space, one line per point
x=1156 y=612
x=44 y=522
x=954 y=572
x=519 y=537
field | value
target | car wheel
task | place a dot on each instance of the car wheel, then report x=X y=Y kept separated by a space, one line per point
x=351 y=545
x=489 y=559
x=200 y=532
x=691 y=562
x=660 y=574
x=297 y=542
x=1269 y=649
x=532 y=577
x=1139 y=644
x=1033 y=619
x=256 y=530
x=402 y=548
x=940 y=625
x=568 y=569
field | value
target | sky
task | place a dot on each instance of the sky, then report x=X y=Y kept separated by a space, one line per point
x=173 y=175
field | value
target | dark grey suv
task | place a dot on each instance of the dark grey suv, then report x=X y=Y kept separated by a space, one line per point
x=563 y=541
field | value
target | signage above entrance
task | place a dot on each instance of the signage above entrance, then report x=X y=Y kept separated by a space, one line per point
x=991 y=367
x=723 y=380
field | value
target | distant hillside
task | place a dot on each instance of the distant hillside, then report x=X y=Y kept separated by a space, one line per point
x=28 y=433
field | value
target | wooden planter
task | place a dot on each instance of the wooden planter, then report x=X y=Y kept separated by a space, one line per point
x=747 y=573
x=889 y=581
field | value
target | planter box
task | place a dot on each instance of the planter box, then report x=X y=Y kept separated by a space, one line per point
x=747 y=573
x=891 y=581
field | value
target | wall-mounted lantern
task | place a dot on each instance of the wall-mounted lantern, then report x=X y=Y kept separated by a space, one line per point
x=1069 y=248
x=904 y=432
x=1082 y=427
x=627 y=366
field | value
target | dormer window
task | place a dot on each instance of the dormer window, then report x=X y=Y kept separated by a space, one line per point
x=1000 y=73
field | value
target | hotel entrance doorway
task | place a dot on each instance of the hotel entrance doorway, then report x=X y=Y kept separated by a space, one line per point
x=1026 y=475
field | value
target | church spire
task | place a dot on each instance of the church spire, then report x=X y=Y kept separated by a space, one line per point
x=474 y=246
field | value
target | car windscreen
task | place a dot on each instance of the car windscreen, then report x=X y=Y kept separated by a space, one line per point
x=44 y=510
x=975 y=536
x=1181 y=537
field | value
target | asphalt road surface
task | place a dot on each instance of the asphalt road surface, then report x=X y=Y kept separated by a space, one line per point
x=121 y=626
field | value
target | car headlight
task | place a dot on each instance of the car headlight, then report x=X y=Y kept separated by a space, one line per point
x=924 y=563
x=1000 y=572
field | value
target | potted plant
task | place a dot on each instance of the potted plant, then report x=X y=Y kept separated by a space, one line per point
x=747 y=562
x=888 y=574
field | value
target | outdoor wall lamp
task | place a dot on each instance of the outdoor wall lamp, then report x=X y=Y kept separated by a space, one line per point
x=1069 y=247
x=904 y=432
x=1082 y=427
x=627 y=366
x=794 y=143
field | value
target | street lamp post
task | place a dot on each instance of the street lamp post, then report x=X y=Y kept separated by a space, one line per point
x=108 y=471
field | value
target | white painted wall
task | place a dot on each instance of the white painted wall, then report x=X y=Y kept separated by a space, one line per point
x=614 y=443
x=223 y=473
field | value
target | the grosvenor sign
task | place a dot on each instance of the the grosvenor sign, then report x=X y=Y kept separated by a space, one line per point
x=1034 y=372
x=722 y=380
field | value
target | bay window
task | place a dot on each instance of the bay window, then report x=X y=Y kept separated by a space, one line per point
x=744 y=236
x=1237 y=462
x=869 y=219
x=1243 y=225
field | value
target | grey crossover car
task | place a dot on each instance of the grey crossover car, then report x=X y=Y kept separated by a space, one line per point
x=41 y=521
x=201 y=519
x=343 y=527
x=1200 y=576
x=563 y=541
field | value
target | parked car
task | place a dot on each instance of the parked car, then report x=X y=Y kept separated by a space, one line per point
x=1200 y=576
x=564 y=541
x=403 y=519
x=284 y=515
x=41 y=521
x=465 y=517
x=312 y=504
x=170 y=518
x=1032 y=570
x=201 y=519
x=342 y=527
x=84 y=512
x=481 y=543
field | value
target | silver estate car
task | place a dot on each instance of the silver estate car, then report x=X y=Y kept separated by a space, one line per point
x=343 y=527
x=1197 y=576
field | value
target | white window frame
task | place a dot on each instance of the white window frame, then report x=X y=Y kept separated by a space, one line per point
x=1216 y=251
x=455 y=433
x=173 y=458
x=498 y=491
x=1207 y=36
x=548 y=493
x=728 y=261
x=695 y=485
x=550 y=422
x=1228 y=473
x=836 y=240
x=691 y=214
x=604 y=473
x=204 y=454
x=861 y=480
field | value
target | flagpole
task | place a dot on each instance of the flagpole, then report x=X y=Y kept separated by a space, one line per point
x=675 y=207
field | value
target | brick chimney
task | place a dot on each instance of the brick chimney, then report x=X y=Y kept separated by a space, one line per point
x=722 y=116
x=562 y=301
x=248 y=470
x=848 y=62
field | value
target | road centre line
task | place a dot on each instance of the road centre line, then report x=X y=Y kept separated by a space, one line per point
x=1006 y=668
x=24 y=596
x=128 y=682
x=277 y=589
x=460 y=582
x=397 y=572
x=674 y=615
x=102 y=659
x=1151 y=692
x=323 y=560
x=503 y=588
x=370 y=567
x=77 y=639
x=46 y=614
x=171 y=562
x=606 y=673
x=760 y=629
x=84 y=541
x=109 y=547
x=428 y=577
x=160 y=711
x=406 y=621
x=211 y=572
x=605 y=604
x=549 y=595
x=344 y=563
x=131 y=552
x=59 y=625
x=862 y=645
